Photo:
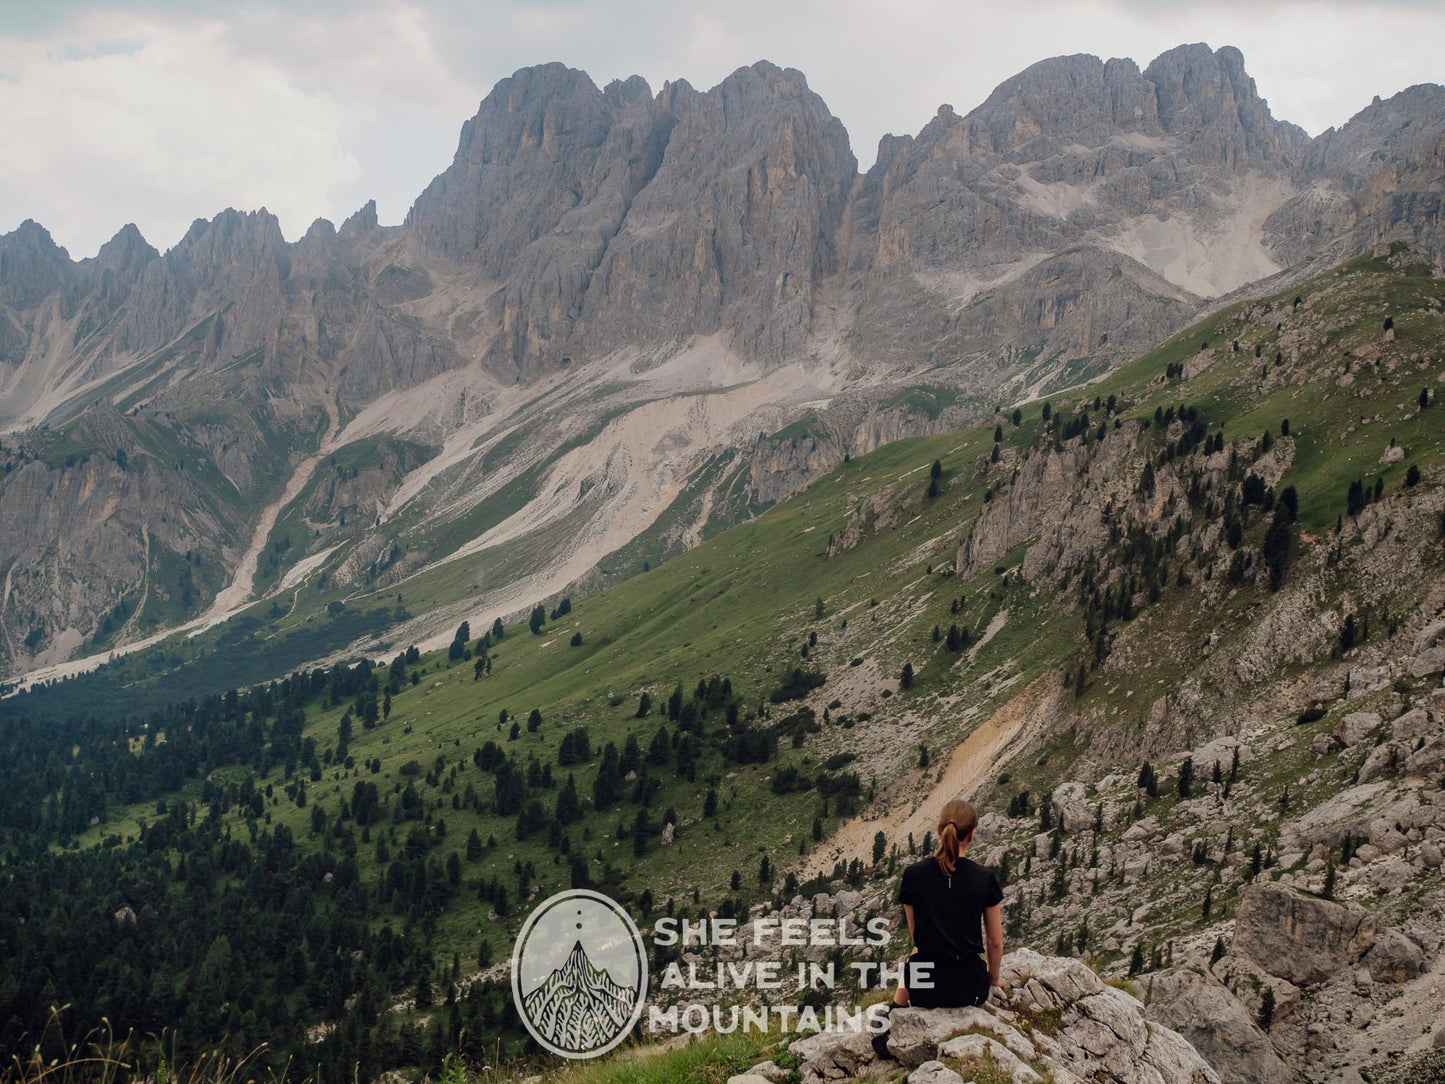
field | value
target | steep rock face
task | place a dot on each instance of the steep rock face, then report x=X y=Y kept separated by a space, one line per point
x=737 y=227
x=1376 y=179
x=615 y=217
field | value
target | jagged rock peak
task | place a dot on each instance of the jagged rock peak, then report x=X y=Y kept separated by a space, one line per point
x=360 y=222
x=1192 y=92
x=127 y=252
x=1201 y=90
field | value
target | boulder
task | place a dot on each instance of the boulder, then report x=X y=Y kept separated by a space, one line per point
x=1429 y=759
x=1217 y=1024
x=1367 y=679
x=1394 y=957
x=982 y=1048
x=769 y=1070
x=1411 y=725
x=1356 y=726
x=1142 y=831
x=1381 y=759
x=915 y=1035
x=1071 y=808
x=1430 y=661
x=1220 y=751
x=1432 y=635
x=1300 y=938
x=1101 y=1035
x=1346 y=812
x=832 y=1055
x=934 y=1072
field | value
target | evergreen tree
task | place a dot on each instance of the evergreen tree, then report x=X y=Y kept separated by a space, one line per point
x=1266 y=1008
x=1186 y=777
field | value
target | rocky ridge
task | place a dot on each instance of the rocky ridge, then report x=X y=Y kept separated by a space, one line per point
x=668 y=245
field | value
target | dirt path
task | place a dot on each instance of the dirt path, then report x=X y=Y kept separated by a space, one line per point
x=921 y=797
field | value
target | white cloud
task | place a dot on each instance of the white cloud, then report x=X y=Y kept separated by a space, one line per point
x=160 y=122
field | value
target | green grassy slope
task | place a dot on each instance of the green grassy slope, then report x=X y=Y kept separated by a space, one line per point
x=747 y=603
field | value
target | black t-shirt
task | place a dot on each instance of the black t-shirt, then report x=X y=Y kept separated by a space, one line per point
x=948 y=911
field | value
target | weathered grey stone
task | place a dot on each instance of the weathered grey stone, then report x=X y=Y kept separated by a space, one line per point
x=934 y=1072
x=1356 y=726
x=1379 y=760
x=1429 y=661
x=983 y=1047
x=1411 y=725
x=769 y=1070
x=1299 y=938
x=1217 y=1024
x=832 y=1055
x=1393 y=957
x=1074 y=813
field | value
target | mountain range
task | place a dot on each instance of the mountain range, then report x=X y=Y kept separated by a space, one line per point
x=618 y=322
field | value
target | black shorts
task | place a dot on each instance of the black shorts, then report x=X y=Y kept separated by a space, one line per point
x=954 y=983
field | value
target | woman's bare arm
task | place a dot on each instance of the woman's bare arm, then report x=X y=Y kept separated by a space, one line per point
x=993 y=940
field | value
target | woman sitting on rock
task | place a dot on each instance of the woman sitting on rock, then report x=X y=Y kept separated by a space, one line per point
x=953 y=907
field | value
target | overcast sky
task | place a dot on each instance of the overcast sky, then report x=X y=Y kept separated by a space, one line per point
x=161 y=111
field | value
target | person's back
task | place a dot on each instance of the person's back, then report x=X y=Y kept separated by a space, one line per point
x=952 y=906
x=948 y=909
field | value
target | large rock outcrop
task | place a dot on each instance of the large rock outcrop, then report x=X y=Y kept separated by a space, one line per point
x=1299 y=938
x=1094 y=1032
x=1217 y=1024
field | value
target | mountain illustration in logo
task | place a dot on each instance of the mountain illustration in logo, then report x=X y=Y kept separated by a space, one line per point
x=578 y=1006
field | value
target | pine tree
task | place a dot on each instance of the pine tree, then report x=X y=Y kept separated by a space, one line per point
x=1136 y=959
x=1266 y=1008
x=1186 y=777
x=1149 y=780
x=905 y=679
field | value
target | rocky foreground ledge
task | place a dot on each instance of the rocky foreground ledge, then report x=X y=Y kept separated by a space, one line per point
x=1060 y=1021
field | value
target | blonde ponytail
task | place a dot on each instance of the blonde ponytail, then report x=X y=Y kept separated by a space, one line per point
x=955 y=825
